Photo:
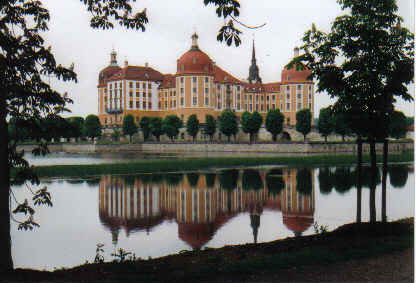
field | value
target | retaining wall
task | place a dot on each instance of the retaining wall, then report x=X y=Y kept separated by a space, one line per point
x=218 y=147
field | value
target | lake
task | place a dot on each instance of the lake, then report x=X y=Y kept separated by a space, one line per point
x=153 y=215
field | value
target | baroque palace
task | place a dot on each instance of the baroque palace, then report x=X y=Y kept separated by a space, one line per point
x=198 y=87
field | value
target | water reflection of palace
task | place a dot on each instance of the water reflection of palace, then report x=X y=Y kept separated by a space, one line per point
x=202 y=203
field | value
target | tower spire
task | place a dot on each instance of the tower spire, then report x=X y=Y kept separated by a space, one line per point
x=253 y=72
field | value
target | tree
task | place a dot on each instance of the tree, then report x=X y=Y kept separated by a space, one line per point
x=325 y=122
x=171 y=125
x=210 y=126
x=341 y=125
x=303 y=122
x=145 y=127
x=275 y=182
x=192 y=126
x=274 y=122
x=92 y=126
x=251 y=180
x=366 y=62
x=228 y=123
x=155 y=126
x=228 y=179
x=76 y=125
x=24 y=63
x=398 y=125
x=129 y=126
x=251 y=123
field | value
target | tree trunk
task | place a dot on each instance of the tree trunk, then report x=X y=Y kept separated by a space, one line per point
x=326 y=139
x=130 y=139
x=384 y=180
x=274 y=138
x=304 y=138
x=229 y=139
x=6 y=261
x=373 y=180
x=359 y=166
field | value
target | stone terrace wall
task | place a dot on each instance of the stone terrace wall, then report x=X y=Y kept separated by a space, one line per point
x=218 y=147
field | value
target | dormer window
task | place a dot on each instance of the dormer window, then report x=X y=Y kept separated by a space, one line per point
x=194 y=60
x=288 y=78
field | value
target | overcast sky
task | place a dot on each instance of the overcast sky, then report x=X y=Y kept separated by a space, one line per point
x=167 y=37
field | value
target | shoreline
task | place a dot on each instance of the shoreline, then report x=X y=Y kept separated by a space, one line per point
x=348 y=243
x=194 y=164
x=206 y=148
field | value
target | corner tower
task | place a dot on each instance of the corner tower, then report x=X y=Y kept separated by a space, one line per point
x=254 y=69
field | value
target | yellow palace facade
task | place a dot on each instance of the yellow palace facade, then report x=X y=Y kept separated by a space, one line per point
x=198 y=87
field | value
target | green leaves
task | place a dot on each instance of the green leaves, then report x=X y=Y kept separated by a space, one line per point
x=304 y=122
x=229 y=33
x=192 y=126
x=24 y=208
x=274 y=122
x=225 y=8
x=42 y=196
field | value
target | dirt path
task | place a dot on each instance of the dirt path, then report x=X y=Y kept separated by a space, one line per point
x=397 y=267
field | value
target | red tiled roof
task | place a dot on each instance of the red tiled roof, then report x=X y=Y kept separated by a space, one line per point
x=221 y=76
x=293 y=75
x=169 y=81
x=137 y=73
x=272 y=87
x=194 y=61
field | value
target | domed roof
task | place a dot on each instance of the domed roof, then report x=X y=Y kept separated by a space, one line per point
x=107 y=72
x=195 y=61
x=293 y=75
x=297 y=224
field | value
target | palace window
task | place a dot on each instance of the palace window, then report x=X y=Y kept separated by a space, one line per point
x=273 y=98
x=182 y=90
x=206 y=90
x=219 y=105
x=181 y=80
x=273 y=106
x=137 y=104
x=131 y=94
x=144 y=104
x=299 y=96
x=166 y=104
x=194 y=90
x=206 y=100
x=257 y=107
x=150 y=94
x=131 y=104
x=149 y=86
x=299 y=106
x=288 y=122
x=181 y=101
x=288 y=88
x=137 y=85
x=238 y=106
x=288 y=96
x=111 y=86
x=174 y=103
x=261 y=107
x=194 y=100
x=130 y=84
x=206 y=79
x=194 y=79
x=245 y=107
x=121 y=85
x=299 y=87
x=310 y=96
x=150 y=105
x=262 y=98
x=144 y=85
x=288 y=106
x=137 y=94
x=267 y=107
x=310 y=105
x=238 y=88
x=268 y=98
x=251 y=107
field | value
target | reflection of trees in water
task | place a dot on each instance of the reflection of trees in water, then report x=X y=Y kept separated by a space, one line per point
x=228 y=179
x=343 y=179
x=326 y=182
x=274 y=181
x=398 y=175
x=210 y=179
x=173 y=179
x=366 y=177
x=192 y=178
x=93 y=182
x=251 y=180
x=304 y=181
